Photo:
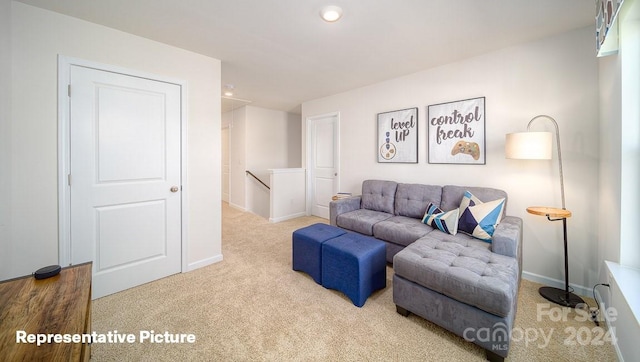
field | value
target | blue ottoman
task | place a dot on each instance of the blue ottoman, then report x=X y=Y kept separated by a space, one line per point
x=307 y=248
x=355 y=265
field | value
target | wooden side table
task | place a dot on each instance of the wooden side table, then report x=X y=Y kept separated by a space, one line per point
x=563 y=297
x=56 y=305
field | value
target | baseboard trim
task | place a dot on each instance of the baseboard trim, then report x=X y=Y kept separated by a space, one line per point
x=204 y=262
x=577 y=289
x=287 y=217
x=237 y=207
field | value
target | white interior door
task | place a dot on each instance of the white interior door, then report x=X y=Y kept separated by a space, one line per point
x=125 y=162
x=323 y=162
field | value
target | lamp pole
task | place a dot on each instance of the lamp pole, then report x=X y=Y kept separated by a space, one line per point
x=555 y=124
x=566 y=297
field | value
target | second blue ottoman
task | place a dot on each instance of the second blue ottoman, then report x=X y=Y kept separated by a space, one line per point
x=307 y=248
x=355 y=265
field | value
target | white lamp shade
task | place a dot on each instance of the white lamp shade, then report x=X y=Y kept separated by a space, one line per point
x=529 y=145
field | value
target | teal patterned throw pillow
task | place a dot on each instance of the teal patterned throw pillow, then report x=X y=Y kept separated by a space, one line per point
x=479 y=219
x=445 y=221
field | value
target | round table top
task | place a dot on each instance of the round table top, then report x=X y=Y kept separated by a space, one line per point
x=549 y=211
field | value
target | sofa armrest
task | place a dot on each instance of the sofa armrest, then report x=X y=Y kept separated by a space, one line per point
x=507 y=238
x=342 y=206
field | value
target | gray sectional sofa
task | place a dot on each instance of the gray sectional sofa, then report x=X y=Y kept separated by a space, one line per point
x=466 y=285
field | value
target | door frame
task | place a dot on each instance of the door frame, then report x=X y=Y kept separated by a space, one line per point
x=64 y=152
x=309 y=159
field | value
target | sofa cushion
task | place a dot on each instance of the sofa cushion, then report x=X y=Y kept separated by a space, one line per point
x=479 y=219
x=412 y=199
x=470 y=274
x=460 y=239
x=401 y=230
x=452 y=196
x=378 y=195
x=361 y=220
x=443 y=221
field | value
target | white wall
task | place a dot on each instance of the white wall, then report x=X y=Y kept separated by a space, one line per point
x=267 y=148
x=630 y=118
x=610 y=156
x=237 y=154
x=5 y=137
x=294 y=140
x=620 y=144
x=557 y=76
x=261 y=139
x=273 y=140
x=620 y=176
x=288 y=194
x=224 y=153
x=38 y=37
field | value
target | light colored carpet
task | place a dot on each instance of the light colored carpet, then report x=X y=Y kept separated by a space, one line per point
x=253 y=306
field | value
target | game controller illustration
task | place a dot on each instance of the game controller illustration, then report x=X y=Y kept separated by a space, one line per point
x=469 y=148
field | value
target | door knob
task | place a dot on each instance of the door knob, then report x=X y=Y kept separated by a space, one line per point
x=174 y=189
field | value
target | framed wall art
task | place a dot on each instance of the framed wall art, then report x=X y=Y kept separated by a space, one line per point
x=457 y=132
x=606 y=14
x=398 y=136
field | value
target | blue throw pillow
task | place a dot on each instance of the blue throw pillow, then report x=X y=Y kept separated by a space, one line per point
x=479 y=219
x=445 y=221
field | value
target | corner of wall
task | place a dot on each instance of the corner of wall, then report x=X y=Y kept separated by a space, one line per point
x=5 y=138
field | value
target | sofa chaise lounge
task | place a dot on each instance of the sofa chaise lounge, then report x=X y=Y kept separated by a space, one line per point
x=464 y=284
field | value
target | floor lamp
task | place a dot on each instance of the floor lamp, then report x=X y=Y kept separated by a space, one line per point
x=538 y=146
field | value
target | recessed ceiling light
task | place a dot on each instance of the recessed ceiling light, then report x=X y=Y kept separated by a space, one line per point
x=228 y=90
x=331 y=13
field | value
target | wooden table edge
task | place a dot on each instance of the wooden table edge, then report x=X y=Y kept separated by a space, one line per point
x=549 y=211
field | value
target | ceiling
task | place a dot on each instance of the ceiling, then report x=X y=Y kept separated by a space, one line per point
x=280 y=53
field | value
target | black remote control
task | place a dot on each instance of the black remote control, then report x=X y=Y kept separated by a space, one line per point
x=47 y=272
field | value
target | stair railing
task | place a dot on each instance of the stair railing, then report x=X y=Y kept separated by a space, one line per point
x=256 y=177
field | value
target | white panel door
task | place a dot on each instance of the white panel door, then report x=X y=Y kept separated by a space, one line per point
x=125 y=178
x=324 y=163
